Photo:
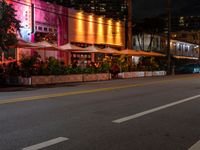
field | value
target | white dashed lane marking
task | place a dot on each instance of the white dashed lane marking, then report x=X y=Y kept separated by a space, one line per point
x=131 y=117
x=46 y=143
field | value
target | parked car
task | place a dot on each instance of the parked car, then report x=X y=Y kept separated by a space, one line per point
x=188 y=68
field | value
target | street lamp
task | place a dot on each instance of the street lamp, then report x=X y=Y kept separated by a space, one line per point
x=199 y=43
x=129 y=24
x=169 y=37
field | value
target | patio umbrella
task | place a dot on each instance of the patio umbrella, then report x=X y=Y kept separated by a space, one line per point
x=44 y=45
x=91 y=49
x=23 y=44
x=110 y=50
x=156 y=54
x=131 y=52
x=70 y=47
x=94 y=49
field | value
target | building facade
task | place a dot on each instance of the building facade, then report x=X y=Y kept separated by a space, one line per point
x=179 y=48
x=43 y=21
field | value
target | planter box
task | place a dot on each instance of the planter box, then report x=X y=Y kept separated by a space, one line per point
x=127 y=75
x=90 y=77
x=96 y=77
x=13 y=80
x=103 y=76
x=139 y=74
x=67 y=78
x=148 y=74
x=44 y=80
x=74 y=78
x=25 y=81
x=41 y=80
x=159 y=73
x=121 y=75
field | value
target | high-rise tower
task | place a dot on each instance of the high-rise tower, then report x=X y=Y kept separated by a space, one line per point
x=116 y=9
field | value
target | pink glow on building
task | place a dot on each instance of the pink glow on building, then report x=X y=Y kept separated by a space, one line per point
x=39 y=18
x=47 y=18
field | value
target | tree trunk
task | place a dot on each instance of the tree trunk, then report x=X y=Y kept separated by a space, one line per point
x=138 y=38
x=143 y=42
x=150 y=44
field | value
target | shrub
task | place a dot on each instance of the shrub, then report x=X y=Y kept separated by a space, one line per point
x=28 y=65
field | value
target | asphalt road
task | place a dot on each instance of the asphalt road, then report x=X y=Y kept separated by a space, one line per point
x=158 y=113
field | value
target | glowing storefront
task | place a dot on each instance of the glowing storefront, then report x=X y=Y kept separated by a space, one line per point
x=87 y=29
x=45 y=21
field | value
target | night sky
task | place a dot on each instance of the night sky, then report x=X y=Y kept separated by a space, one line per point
x=149 y=8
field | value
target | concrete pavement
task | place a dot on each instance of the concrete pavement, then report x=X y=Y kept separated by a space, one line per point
x=85 y=118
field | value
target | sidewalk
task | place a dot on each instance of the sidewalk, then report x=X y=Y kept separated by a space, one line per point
x=12 y=88
x=15 y=88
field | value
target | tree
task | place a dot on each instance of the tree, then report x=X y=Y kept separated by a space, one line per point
x=139 y=31
x=9 y=26
x=151 y=26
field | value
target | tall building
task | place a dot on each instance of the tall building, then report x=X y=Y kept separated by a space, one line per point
x=116 y=9
x=186 y=23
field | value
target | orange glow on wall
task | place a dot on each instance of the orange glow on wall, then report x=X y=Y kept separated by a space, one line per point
x=80 y=27
x=100 y=31
x=91 y=29
x=110 y=31
x=118 y=33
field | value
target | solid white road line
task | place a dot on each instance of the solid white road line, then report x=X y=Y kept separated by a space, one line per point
x=196 y=146
x=131 y=117
x=46 y=144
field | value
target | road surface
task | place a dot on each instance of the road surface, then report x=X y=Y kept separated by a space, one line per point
x=156 y=113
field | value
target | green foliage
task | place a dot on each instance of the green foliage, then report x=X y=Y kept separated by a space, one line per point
x=104 y=68
x=9 y=26
x=124 y=62
x=13 y=69
x=28 y=65
x=53 y=66
x=89 y=70
x=148 y=64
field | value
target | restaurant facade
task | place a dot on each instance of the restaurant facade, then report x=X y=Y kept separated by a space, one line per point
x=43 y=21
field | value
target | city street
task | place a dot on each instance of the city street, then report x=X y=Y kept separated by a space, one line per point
x=155 y=113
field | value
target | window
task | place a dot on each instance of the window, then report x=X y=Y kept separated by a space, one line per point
x=179 y=47
x=186 y=48
x=40 y=28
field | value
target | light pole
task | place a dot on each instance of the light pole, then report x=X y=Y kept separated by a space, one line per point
x=129 y=43
x=169 y=38
x=199 y=43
